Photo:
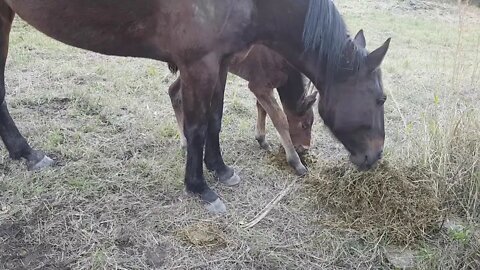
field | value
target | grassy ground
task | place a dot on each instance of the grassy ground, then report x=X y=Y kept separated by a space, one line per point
x=115 y=199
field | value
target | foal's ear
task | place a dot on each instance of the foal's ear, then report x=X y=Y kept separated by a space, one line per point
x=307 y=103
x=360 y=39
x=375 y=58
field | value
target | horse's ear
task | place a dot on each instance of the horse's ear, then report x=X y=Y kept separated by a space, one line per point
x=307 y=103
x=360 y=39
x=375 y=58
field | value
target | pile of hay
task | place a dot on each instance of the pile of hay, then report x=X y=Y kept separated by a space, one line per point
x=399 y=205
x=203 y=234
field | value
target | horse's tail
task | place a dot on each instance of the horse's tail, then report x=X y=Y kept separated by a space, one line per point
x=172 y=67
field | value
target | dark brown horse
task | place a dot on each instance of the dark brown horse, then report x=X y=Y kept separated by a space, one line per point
x=265 y=70
x=199 y=36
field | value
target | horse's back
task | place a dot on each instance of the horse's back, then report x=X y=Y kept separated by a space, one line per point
x=120 y=27
x=141 y=28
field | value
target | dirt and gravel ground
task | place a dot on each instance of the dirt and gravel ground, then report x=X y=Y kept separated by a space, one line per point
x=115 y=198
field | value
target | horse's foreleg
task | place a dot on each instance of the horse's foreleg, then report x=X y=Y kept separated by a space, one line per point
x=15 y=143
x=260 y=131
x=198 y=82
x=268 y=102
x=213 y=156
x=176 y=98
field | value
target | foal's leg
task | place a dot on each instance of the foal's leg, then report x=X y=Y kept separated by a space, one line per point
x=269 y=103
x=176 y=99
x=15 y=143
x=213 y=156
x=198 y=83
x=260 y=131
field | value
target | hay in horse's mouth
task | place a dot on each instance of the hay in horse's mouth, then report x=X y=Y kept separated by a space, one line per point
x=399 y=205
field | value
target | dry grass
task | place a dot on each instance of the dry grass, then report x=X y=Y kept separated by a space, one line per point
x=396 y=205
x=115 y=199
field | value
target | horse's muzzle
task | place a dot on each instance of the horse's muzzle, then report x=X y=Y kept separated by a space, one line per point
x=365 y=162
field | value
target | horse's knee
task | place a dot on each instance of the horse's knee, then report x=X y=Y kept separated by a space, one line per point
x=195 y=133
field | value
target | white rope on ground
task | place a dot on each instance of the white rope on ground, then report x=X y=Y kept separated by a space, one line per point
x=269 y=206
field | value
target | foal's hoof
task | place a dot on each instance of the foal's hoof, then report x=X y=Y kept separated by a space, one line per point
x=299 y=168
x=38 y=161
x=264 y=145
x=229 y=177
x=213 y=203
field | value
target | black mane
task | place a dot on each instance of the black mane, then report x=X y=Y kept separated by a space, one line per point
x=325 y=33
x=293 y=90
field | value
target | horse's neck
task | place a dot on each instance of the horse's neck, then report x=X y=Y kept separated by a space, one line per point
x=280 y=27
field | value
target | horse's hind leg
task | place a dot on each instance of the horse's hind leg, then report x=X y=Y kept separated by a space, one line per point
x=213 y=157
x=268 y=102
x=174 y=91
x=260 y=131
x=15 y=143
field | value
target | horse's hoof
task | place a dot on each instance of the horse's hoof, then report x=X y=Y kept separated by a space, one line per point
x=229 y=178
x=216 y=207
x=232 y=181
x=43 y=163
x=212 y=202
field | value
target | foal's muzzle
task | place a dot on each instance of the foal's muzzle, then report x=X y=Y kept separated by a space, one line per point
x=302 y=149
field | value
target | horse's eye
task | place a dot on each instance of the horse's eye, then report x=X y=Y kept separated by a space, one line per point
x=304 y=126
x=381 y=100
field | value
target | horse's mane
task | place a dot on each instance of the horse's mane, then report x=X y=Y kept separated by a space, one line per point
x=325 y=32
x=293 y=90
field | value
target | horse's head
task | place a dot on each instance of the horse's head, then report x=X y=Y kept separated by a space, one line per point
x=300 y=123
x=352 y=107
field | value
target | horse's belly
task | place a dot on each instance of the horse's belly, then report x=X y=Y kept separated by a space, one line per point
x=116 y=27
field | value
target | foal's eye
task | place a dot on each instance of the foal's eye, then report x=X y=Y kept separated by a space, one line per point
x=381 y=100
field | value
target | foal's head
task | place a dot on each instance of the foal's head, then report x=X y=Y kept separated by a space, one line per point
x=352 y=105
x=300 y=122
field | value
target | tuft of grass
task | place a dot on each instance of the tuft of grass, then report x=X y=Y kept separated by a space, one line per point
x=450 y=147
